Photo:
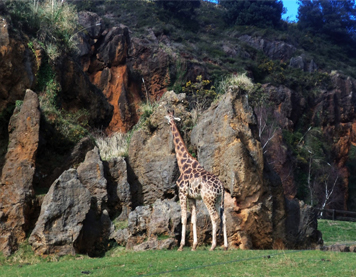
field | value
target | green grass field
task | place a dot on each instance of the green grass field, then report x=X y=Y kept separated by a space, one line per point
x=119 y=262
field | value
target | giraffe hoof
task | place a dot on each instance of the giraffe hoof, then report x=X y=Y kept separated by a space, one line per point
x=225 y=248
x=180 y=248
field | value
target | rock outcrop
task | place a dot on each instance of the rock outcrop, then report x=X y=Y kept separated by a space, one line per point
x=16 y=192
x=152 y=165
x=17 y=66
x=119 y=194
x=225 y=138
x=275 y=50
x=103 y=56
x=227 y=145
x=63 y=212
x=156 y=227
x=75 y=212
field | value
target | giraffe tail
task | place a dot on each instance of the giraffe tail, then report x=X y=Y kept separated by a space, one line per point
x=222 y=213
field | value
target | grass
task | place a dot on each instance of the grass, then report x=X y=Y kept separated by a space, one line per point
x=199 y=263
x=341 y=232
x=121 y=262
x=115 y=145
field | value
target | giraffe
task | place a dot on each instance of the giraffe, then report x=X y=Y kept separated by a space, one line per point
x=195 y=183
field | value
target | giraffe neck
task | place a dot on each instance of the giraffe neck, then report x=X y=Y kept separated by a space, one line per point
x=182 y=153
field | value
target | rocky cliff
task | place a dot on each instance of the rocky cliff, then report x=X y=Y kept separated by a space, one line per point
x=133 y=200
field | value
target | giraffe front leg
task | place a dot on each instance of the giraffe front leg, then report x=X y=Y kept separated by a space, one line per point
x=194 y=223
x=183 y=205
x=226 y=245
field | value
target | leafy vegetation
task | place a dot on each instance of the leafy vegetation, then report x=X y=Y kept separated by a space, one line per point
x=334 y=19
x=256 y=13
x=51 y=22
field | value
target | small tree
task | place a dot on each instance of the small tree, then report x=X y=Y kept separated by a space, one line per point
x=180 y=8
x=252 y=12
x=336 y=19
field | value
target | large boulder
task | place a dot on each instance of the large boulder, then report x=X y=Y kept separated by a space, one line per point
x=151 y=227
x=16 y=192
x=301 y=226
x=75 y=212
x=227 y=145
x=119 y=194
x=91 y=175
x=63 y=212
x=152 y=164
x=93 y=239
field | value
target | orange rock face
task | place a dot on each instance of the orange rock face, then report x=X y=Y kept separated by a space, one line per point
x=16 y=191
x=104 y=60
x=17 y=67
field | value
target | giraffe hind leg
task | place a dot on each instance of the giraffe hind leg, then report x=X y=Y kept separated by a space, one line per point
x=214 y=216
x=183 y=204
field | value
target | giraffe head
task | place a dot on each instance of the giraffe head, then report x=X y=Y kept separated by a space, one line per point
x=170 y=116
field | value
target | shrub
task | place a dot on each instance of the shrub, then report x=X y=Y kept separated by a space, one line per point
x=200 y=93
x=241 y=81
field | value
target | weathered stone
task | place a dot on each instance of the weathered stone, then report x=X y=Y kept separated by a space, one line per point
x=152 y=165
x=353 y=248
x=156 y=244
x=97 y=224
x=93 y=24
x=63 y=212
x=301 y=226
x=297 y=62
x=77 y=92
x=16 y=191
x=275 y=50
x=119 y=195
x=164 y=219
x=121 y=236
x=47 y=173
x=91 y=175
x=105 y=64
x=227 y=145
x=17 y=67
x=312 y=67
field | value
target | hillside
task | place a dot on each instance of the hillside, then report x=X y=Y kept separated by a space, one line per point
x=100 y=73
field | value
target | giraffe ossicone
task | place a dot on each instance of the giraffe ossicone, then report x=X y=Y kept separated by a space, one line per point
x=195 y=183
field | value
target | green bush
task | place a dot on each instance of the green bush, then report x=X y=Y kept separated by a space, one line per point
x=52 y=22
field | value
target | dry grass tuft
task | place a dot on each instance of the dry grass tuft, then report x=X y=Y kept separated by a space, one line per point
x=115 y=145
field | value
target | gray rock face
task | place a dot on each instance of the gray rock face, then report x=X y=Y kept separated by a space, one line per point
x=119 y=194
x=301 y=226
x=275 y=50
x=162 y=219
x=63 y=212
x=16 y=191
x=152 y=164
x=301 y=63
x=92 y=23
x=297 y=62
x=91 y=175
x=79 y=201
x=148 y=225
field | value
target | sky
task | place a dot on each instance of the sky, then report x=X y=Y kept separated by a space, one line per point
x=292 y=9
